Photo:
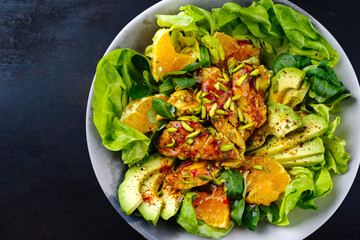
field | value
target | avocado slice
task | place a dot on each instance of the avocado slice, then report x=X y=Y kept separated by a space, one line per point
x=285 y=80
x=313 y=126
x=172 y=201
x=295 y=96
x=305 y=162
x=281 y=119
x=309 y=148
x=129 y=190
x=151 y=207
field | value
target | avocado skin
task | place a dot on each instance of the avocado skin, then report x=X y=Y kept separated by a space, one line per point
x=129 y=190
x=313 y=126
x=285 y=80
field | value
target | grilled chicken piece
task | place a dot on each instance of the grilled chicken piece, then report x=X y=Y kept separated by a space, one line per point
x=192 y=174
x=239 y=50
x=218 y=93
x=184 y=101
x=204 y=145
x=251 y=101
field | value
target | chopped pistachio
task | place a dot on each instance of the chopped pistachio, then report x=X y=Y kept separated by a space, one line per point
x=255 y=72
x=184 y=118
x=225 y=189
x=227 y=103
x=266 y=170
x=212 y=131
x=205 y=177
x=257 y=84
x=197 y=110
x=205 y=100
x=194 y=119
x=187 y=182
x=215 y=94
x=203 y=112
x=172 y=144
x=258 y=167
x=246 y=126
x=221 y=112
x=190 y=141
x=186 y=176
x=212 y=110
x=217 y=182
x=198 y=94
x=236 y=97
x=198 y=156
x=241 y=80
x=173 y=115
x=238 y=68
x=241 y=116
x=204 y=94
x=226 y=77
x=194 y=134
x=186 y=126
x=231 y=65
x=171 y=130
x=195 y=90
x=181 y=157
x=227 y=147
x=222 y=87
x=232 y=107
x=182 y=97
x=217 y=86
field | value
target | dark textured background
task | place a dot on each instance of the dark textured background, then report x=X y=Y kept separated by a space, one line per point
x=48 y=54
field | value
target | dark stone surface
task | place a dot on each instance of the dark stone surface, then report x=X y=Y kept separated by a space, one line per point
x=48 y=54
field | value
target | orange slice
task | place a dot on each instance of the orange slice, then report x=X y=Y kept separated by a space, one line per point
x=165 y=59
x=213 y=208
x=266 y=181
x=135 y=113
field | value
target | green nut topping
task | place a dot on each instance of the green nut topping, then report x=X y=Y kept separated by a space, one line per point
x=205 y=177
x=190 y=141
x=172 y=144
x=212 y=131
x=227 y=103
x=203 y=112
x=238 y=68
x=241 y=116
x=205 y=100
x=194 y=118
x=212 y=110
x=255 y=72
x=226 y=77
x=232 y=107
x=234 y=98
x=215 y=94
x=184 y=118
x=221 y=112
x=258 y=167
x=246 y=126
x=241 y=80
x=222 y=87
x=194 y=134
x=227 y=147
x=204 y=94
x=186 y=126
x=171 y=130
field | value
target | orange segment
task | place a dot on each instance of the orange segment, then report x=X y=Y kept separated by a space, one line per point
x=213 y=208
x=265 y=186
x=165 y=58
x=240 y=51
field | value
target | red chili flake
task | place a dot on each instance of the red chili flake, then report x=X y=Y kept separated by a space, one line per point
x=295 y=123
x=195 y=172
x=287 y=120
x=301 y=144
x=225 y=201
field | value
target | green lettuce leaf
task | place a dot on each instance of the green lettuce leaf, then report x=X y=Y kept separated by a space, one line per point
x=187 y=219
x=304 y=39
x=335 y=154
x=116 y=73
x=305 y=187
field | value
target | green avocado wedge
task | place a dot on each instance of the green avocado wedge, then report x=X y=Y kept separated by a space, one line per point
x=129 y=190
x=152 y=205
x=313 y=126
x=309 y=148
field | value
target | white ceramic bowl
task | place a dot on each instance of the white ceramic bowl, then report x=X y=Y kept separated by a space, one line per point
x=110 y=171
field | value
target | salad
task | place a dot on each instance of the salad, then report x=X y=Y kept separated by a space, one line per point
x=227 y=118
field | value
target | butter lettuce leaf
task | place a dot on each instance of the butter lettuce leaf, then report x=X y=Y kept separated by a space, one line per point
x=305 y=187
x=187 y=219
x=304 y=39
x=335 y=154
x=116 y=73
